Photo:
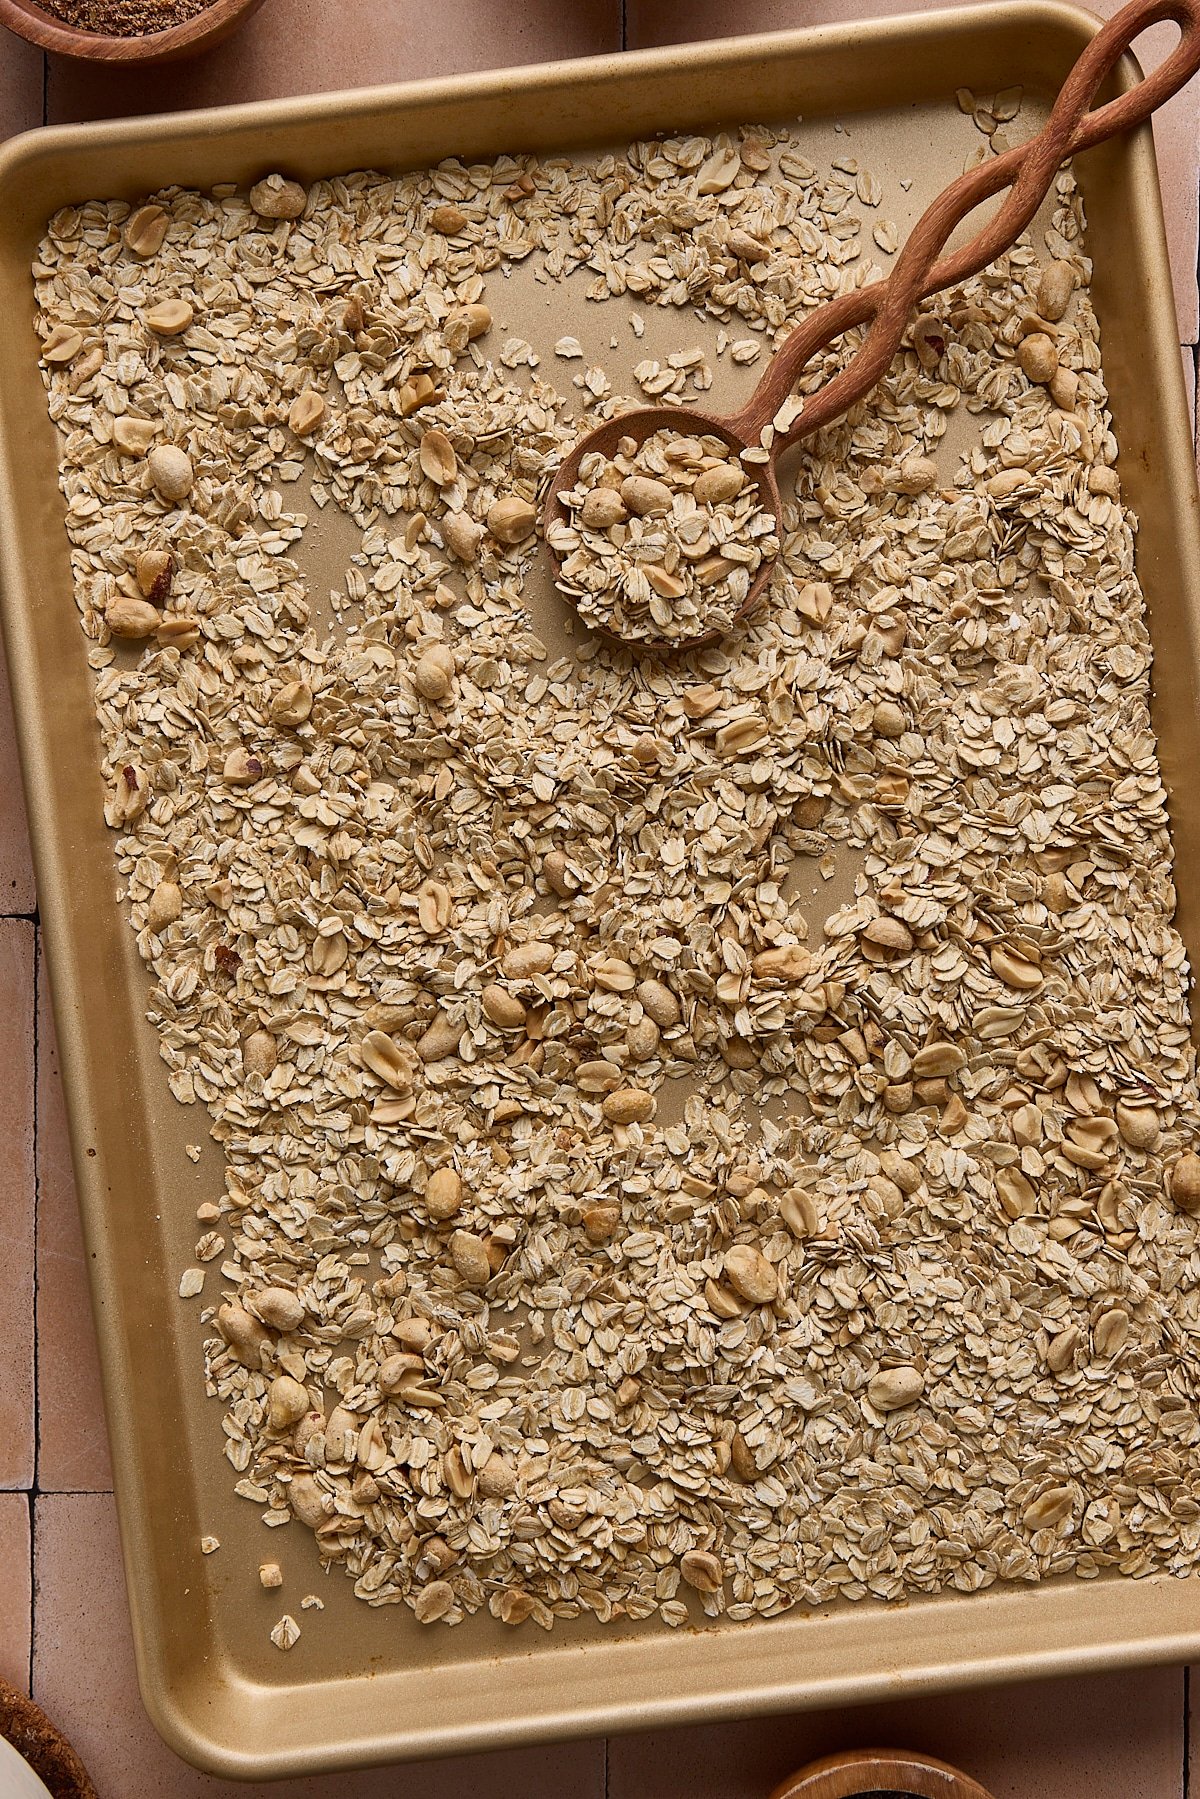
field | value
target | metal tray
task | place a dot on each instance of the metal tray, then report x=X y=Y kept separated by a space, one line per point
x=371 y=1686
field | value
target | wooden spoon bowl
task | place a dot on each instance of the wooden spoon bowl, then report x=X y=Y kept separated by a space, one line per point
x=207 y=28
x=638 y=426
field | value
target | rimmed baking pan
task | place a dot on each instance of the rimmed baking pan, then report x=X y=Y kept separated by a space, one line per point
x=371 y=1686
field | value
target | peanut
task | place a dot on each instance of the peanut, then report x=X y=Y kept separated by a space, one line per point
x=477 y=317
x=645 y=496
x=166 y=904
x=155 y=572
x=937 y=1060
x=893 y=1388
x=307 y=1500
x=628 y=1105
x=659 y=1003
x=242 y=768
x=391 y=1062
x=462 y=535
x=292 y=705
x=527 y=959
x=431 y=678
x=281 y=1309
x=702 y=1570
x=306 y=412
x=928 y=336
x=171 y=471
x=287 y=1402
x=1183 y=1183
x=443 y=1193
x=1038 y=356
x=275 y=197
x=603 y=508
x=511 y=519
x=131 y=436
x=437 y=458
x=751 y=1275
x=61 y=345
x=890 y=934
x=145 y=230
x=448 y=219
x=168 y=318
x=502 y=1008
x=1055 y=288
x=246 y=1338
x=470 y=1257
x=723 y=482
x=132 y=619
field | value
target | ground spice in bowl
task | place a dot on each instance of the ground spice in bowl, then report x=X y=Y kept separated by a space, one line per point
x=124 y=18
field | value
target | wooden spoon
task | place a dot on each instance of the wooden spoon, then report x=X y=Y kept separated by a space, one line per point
x=1027 y=170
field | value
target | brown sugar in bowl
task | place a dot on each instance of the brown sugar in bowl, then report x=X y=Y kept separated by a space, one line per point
x=188 y=38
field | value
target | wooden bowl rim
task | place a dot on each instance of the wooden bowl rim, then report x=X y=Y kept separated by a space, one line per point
x=28 y=20
x=856 y=1772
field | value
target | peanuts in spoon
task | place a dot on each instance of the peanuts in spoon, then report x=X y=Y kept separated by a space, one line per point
x=664 y=539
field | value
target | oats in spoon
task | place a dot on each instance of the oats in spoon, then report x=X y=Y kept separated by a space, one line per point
x=664 y=538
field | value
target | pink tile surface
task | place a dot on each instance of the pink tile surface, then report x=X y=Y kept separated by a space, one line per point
x=84 y=1678
x=304 y=46
x=1176 y=128
x=16 y=1202
x=1117 y=1736
x=72 y=1441
x=20 y=86
x=21 y=80
x=14 y=1589
x=1193 y=1727
x=16 y=868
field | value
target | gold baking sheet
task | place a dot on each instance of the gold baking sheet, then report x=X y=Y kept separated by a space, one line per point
x=371 y=1686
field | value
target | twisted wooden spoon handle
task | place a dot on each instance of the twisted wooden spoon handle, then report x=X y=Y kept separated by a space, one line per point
x=1028 y=170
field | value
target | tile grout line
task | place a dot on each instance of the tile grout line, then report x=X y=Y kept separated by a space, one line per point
x=1187 y=1746
x=37 y=1434
x=37 y=1181
x=74 y=1493
x=29 y=1530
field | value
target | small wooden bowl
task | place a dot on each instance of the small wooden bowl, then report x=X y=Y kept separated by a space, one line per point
x=879 y=1771
x=27 y=1728
x=207 y=28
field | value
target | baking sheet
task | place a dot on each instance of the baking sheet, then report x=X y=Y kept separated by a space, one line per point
x=372 y=1686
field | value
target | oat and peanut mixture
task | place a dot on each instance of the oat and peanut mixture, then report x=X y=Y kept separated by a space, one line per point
x=603 y=1230
x=665 y=538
